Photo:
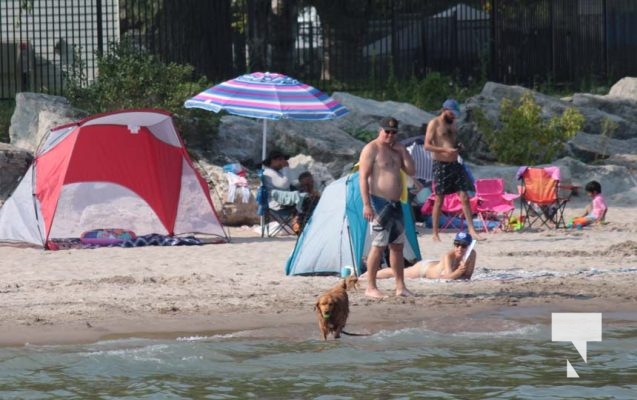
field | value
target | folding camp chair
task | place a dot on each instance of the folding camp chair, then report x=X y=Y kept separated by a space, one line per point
x=451 y=215
x=283 y=217
x=494 y=204
x=542 y=198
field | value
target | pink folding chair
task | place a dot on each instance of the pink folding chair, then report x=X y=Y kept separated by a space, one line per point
x=494 y=204
x=450 y=210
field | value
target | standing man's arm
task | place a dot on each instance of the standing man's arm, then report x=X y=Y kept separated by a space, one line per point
x=365 y=165
x=408 y=164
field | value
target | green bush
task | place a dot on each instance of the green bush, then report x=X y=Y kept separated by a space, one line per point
x=131 y=78
x=523 y=136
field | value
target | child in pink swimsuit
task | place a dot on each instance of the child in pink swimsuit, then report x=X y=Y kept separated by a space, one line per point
x=596 y=211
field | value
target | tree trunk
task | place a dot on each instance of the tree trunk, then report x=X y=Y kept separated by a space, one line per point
x=258 y=34
x=283 y=22
x=344 y=26
x=203 y=44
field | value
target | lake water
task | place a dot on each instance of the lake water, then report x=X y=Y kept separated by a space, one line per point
x=521 y=362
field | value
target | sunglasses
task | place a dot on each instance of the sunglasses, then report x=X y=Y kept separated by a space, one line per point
x=390 y=132
x=458 y=244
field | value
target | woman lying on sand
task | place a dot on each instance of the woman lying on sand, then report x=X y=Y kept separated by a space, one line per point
x=450 y=265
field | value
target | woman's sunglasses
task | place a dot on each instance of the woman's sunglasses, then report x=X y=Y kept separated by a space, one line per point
x=460 y=244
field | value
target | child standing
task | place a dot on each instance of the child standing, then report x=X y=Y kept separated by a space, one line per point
x=596 y=211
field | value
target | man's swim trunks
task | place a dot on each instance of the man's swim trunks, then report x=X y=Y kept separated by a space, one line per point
x=450 y=177
x=388 y=226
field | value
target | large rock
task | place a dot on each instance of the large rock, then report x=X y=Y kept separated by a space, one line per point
x=598 y=111
x=240 y=140
x=625 y=88
x=591 y=148
x=14 y=162
x=328 y=142
x=35 y=114
x=595 y=109
x=235 y=212
x=365 y=113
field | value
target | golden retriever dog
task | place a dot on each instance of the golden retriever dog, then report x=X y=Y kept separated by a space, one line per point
x=332 y=308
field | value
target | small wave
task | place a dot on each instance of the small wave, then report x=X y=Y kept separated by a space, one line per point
x=232 y=335
x=473 y=328
x=520 y=331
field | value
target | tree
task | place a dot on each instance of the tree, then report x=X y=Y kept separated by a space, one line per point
x=271 y=31
x=344 y=25
x=158 y=25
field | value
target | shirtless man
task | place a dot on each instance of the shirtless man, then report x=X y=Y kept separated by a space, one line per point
x=381 y=186
x=450 y=265
x=449 y=175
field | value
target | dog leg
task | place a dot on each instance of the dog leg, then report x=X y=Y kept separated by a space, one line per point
x=337 y=332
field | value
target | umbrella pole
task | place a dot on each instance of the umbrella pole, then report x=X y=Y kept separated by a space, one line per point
x=263 y=151
x=264 y=136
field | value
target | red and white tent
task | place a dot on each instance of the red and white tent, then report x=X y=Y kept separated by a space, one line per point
x=125 y=169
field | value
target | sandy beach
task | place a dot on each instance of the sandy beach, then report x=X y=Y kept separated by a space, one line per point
x=73 y=296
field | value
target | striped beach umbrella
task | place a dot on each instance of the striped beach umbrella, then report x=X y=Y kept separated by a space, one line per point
x=268 y=96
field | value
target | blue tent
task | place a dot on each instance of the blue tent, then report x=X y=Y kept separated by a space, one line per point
x=337 y=234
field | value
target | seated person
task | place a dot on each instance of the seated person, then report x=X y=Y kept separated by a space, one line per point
x=595 y=212
x=310 y=194
x=311 y=198
x=275 y=178
x=450 y=265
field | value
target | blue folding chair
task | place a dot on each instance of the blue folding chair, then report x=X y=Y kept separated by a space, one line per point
x=284 y=217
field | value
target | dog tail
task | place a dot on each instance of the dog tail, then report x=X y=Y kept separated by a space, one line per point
x=351 y=282
x=355 y=334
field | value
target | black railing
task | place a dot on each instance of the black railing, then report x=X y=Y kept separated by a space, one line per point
x=348 y=44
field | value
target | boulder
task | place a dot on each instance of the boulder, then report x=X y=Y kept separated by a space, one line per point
x=235 y=212
x=365 y=113
x=625 y=88
x=240 y=140
x=591 y=148
x=329 y=142
x=597 y=112
x=14 y=162
x=35 y=114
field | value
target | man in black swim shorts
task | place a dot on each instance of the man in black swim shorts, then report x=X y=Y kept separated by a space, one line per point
x=449 y=175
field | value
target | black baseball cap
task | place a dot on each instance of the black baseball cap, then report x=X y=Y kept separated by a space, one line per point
x=389 y=124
